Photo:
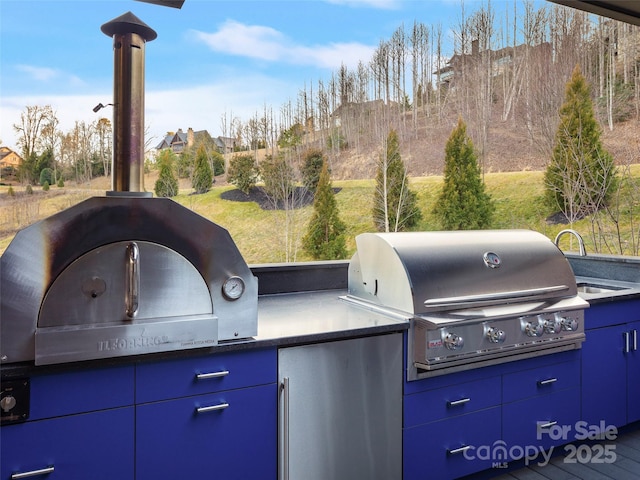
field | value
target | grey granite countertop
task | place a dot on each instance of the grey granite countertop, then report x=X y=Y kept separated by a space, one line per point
x=318 y=316
x=283 y=320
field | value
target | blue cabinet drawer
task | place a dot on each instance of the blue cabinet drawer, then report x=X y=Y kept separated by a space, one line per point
x=230 y=434
x=540 y=381
x=451 y=401
x=454 y=447
x=205 y=374
x=57 y=394
x=96 y=446
x=542 y=422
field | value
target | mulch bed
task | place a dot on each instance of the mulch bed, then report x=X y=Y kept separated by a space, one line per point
x=302 y=196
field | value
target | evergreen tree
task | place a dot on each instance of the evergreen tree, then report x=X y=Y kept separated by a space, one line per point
x=395 y=206
x=202 y=173
x=324 y=239
x=463 y=204
x=167 y=182
x=46 y=175
x=243 y=172
x=581 y=175
x=313 y=163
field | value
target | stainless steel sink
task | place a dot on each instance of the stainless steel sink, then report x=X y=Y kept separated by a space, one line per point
x=592 y=288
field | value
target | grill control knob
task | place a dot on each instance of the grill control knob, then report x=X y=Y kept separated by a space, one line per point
x=551 y=325
x=569 y=324
x=495 y=335
x=453 y=341
x=532 y=329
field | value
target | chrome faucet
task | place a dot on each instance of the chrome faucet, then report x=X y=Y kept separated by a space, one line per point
x=583 y=252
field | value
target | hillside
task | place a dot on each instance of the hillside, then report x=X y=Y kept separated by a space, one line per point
x=510 y=150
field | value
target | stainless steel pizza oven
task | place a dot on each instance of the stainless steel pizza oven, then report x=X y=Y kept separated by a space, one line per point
x=124 y=274
x=474 y=298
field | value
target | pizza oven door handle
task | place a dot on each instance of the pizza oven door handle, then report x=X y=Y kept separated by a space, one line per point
x=132 y=281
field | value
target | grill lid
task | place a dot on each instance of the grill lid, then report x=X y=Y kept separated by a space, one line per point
x=421 y=272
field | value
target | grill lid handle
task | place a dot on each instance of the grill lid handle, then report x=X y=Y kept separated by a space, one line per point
x=492 y=297
x=132 y=281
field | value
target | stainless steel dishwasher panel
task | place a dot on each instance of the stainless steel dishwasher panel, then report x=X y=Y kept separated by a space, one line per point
x=340 y=409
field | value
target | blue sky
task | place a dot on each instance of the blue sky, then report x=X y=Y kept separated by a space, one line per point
x=212 y=58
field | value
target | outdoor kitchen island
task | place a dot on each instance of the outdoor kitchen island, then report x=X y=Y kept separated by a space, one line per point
x=137 y=417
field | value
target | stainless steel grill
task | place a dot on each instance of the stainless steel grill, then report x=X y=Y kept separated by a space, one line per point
x=123 y=274
x=474 y=298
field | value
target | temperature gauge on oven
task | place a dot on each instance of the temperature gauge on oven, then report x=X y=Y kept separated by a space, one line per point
x=233 y=288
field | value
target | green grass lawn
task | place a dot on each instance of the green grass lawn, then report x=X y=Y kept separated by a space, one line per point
x=268 y=236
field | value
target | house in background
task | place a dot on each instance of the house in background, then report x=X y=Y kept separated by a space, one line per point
x=225 y=144
x=9 y=161
x=180 y=140
x=501 y=60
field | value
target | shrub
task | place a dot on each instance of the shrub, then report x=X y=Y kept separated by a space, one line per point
x=167 y=182
x=243 y=172
x=324 y=239
x=46 y=176
x=313 y=163
x=278 y=177
x=202 y=173
x=581 y=176
x=463 y=203
x=395 y=206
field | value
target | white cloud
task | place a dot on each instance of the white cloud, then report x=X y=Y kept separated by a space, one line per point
x=47 y=74
x=252 y=41
x=39 y=73
x=268 y=44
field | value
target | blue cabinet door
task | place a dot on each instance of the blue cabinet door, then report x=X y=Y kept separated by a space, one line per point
x=633 y=373
x=540 y=423
x=230 y=434
x=453 y=447
x=96 y=446
x=604 y=376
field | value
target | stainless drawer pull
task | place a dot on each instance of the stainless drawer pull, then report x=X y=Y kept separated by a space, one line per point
x=626 y=342
x=547 y=425
x=32 y=473
x=548 y=381
x=634 y=339
x=459 y=450
x=204 y=376
x=212 y=408
x=454 y=403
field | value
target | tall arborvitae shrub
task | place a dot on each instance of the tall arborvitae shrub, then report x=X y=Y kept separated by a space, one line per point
x=325 y=239
x=581 y=175
x=311 y=168
x=395 y=206
x=463 y=203
x=202 y=173
x=167 y=182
